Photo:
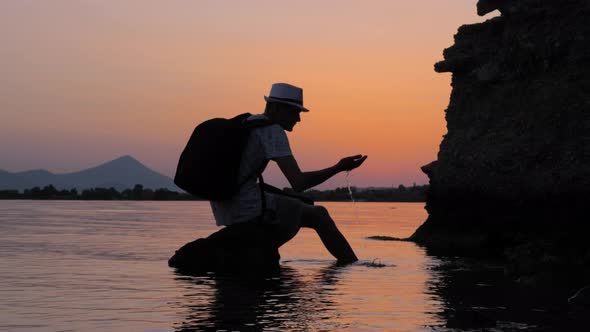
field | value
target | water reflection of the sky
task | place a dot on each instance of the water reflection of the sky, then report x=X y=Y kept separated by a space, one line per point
x=323 y=297
x=101 y=266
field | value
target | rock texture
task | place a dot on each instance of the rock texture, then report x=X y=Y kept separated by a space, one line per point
x=243 y=248
x=515 y=163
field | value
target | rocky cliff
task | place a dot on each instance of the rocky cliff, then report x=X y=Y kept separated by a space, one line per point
x=516 y=158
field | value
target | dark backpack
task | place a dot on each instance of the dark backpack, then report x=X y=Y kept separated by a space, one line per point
x=209 y=165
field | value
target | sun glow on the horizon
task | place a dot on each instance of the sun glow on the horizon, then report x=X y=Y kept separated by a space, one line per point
x=85 y=82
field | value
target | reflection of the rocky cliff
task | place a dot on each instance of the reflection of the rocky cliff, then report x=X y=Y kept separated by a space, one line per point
x=478 y=295
x=284 y=301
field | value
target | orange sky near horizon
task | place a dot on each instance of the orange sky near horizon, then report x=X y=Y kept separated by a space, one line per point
x=84 y=82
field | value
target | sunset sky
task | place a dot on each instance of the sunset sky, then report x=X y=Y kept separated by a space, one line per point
x=83 y=82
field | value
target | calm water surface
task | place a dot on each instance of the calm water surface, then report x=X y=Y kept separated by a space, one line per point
x=102 y=266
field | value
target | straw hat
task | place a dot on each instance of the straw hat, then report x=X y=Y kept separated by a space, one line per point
x=286 y=94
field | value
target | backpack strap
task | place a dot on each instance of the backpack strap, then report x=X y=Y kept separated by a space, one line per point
x=274 y=190
x=249 y=125
x=262 y=198
x=256 y=123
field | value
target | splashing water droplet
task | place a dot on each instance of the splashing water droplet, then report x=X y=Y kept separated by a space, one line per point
x=349 y=187
x=356 y=214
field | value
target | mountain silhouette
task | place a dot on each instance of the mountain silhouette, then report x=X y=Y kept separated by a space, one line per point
x=121 y=173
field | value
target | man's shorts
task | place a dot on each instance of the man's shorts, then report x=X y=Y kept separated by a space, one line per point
x=287 y=218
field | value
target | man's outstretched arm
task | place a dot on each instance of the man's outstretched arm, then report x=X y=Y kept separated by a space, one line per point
x=301 y=181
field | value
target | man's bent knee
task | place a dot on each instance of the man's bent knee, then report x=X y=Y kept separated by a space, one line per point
x=321 y=212
x=314 y=216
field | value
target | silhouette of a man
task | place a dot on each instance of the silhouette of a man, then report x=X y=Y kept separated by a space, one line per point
x=283 y=108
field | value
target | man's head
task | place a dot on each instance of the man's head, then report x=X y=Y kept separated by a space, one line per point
x=282 y=114
x=284 y=104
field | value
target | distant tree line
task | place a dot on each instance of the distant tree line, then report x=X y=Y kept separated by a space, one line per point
x=394 y=194
x=138 y=193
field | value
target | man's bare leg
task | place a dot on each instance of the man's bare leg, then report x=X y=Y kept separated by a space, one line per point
x=318 y=218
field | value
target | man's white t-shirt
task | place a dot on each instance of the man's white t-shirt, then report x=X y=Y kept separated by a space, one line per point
x=264 y=144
